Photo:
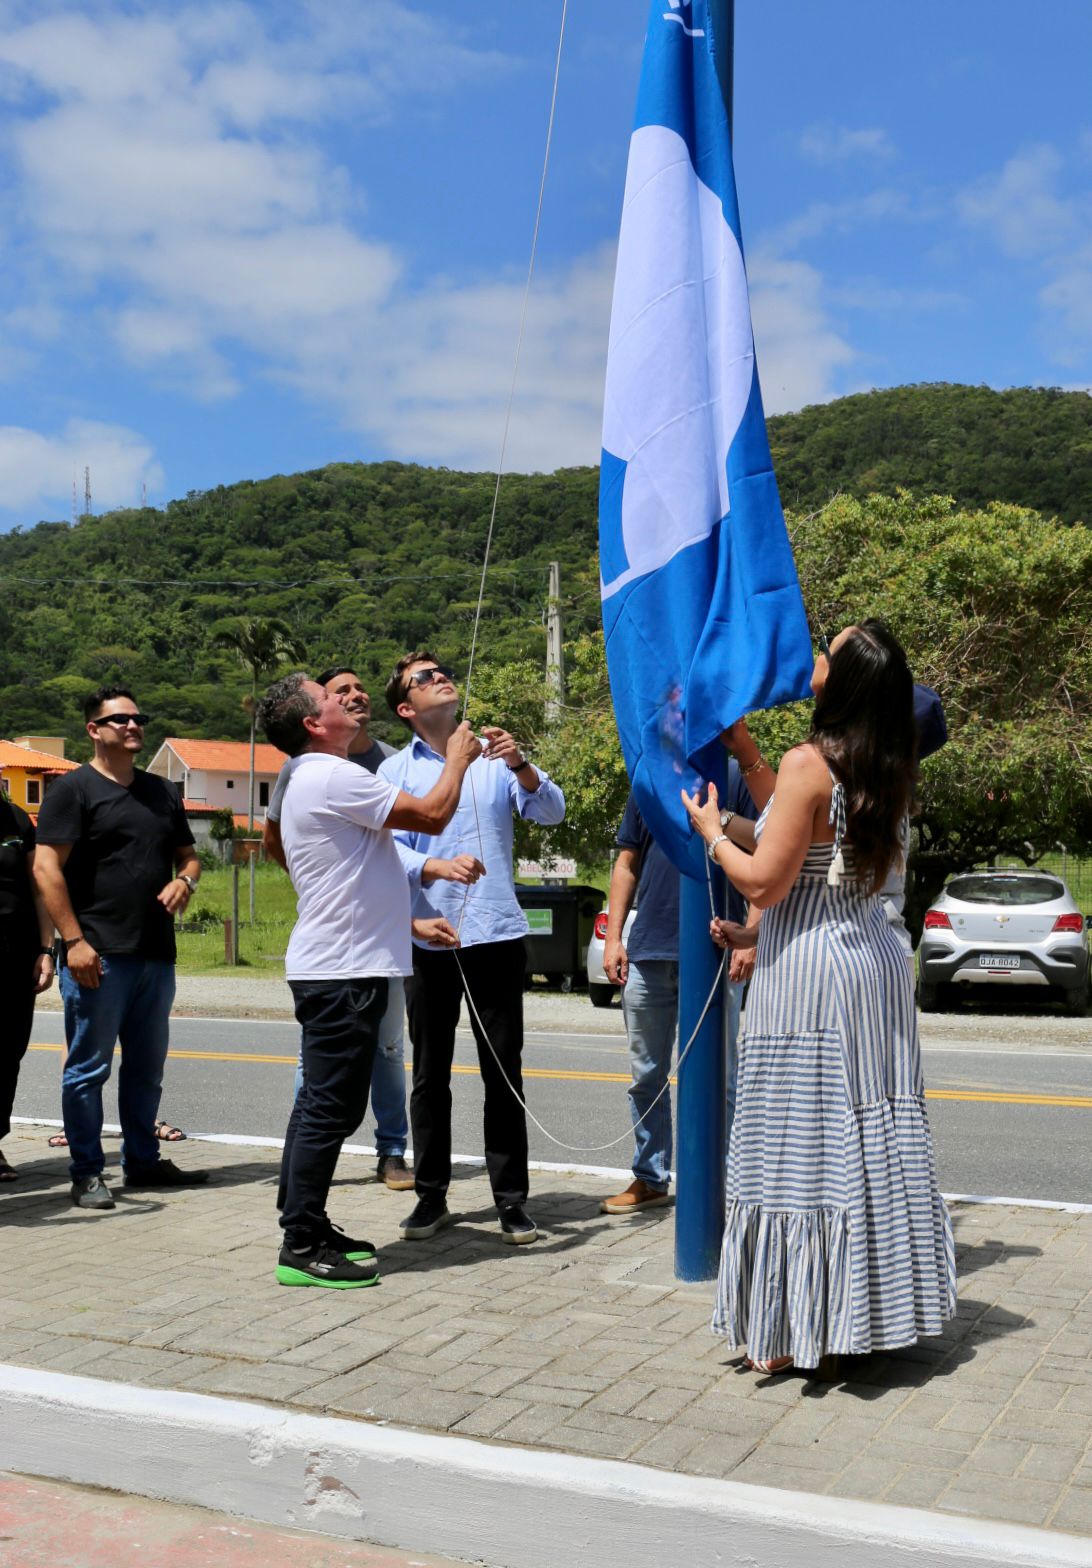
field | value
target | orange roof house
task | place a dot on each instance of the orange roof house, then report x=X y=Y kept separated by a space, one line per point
x=27 y=771
x=214 y=774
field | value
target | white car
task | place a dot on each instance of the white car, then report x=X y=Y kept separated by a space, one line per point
x=600 y=989
x=1005 y=929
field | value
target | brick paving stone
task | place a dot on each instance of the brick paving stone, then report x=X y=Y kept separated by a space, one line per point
x=918 y=1486
x=867 y=1477
x=997 y=1456
x=719 y=1454
x=1074 y=1512
x=669 y=1446
x=1012 y=1499
x=1052 y=1462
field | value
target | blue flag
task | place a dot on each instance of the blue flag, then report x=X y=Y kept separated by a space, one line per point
x=702 y=611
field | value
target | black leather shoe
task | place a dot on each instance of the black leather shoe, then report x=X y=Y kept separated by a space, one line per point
x=91 y=1192
x=164 y=1173
x=515 y=1226
x=430 y=1215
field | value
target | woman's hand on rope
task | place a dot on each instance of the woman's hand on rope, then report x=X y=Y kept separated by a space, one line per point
x=436 y=931
x=729 y=933
x=704 y=819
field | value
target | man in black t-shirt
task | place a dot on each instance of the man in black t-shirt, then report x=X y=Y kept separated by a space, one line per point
x=26 y=955
x=115 y=862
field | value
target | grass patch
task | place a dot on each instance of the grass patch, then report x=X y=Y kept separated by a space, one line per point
x=261 y=945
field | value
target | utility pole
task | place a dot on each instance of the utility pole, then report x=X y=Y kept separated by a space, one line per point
x=87 y=492
x=555 y=666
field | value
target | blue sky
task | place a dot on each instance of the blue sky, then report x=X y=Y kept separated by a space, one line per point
x=240 y=239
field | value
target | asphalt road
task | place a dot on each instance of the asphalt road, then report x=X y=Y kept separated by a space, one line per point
x=1010 y=1100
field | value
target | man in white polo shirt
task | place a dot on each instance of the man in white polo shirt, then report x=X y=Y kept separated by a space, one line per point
x=352 y=936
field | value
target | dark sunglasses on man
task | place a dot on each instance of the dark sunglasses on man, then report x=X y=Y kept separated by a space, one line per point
x=122 y=720
x=426 y=677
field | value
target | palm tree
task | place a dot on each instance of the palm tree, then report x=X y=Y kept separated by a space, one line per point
x=262 y=645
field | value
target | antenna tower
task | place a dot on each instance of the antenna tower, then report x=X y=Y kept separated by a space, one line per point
x=87 y=492
x=75 y=513
x=144 y=495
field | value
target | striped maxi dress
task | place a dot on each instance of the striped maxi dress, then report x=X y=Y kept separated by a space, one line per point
x=836 y=1240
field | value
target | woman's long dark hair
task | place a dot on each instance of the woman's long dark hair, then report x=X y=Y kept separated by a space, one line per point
x=864 y=727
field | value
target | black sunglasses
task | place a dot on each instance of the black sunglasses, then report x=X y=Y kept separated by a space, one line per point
x=123 y=720
x=426 y=677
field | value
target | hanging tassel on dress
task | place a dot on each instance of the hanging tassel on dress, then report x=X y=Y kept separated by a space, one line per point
x=836 y=870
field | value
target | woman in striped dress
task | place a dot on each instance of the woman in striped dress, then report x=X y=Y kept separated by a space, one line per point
x=837 y=1240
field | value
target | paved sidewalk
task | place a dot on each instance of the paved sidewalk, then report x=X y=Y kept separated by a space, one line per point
x=44 y=1524
x=582 y=1343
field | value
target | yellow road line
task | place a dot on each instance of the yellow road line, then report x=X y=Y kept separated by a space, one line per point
x=986 y=1096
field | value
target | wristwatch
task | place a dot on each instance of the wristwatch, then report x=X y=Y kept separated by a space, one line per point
x=45 y=952
x=721 y=838
x=191 y=882
x=726 y=817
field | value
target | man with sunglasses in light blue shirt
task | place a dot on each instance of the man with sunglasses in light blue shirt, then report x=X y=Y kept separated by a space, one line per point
x=498 y=786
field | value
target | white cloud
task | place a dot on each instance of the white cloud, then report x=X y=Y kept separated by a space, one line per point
x=798 y=348
x=170 y=174
x=835 y=144
x=1020 y=206
x=1035 y=211
x=37 y=471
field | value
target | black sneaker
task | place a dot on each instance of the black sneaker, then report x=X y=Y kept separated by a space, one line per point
x=515 y=1226
x=430 y=1215
x=347 y=1245
x=164 y=1173
x=91 y=1192
x=324 y=1266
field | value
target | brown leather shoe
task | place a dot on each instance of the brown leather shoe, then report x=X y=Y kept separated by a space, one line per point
x=637 y=1196
x=394 y=1173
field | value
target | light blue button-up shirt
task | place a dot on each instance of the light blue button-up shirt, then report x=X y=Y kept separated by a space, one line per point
x=483 y=827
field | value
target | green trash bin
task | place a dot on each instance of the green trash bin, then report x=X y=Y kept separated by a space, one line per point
x=560 y=921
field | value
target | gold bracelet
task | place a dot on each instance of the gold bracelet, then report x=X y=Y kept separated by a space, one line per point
x=752 y=767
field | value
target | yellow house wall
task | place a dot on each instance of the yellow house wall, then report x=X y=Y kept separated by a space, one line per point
x=15 y=786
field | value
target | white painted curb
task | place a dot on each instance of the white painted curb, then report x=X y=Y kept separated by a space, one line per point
x=508 y=1507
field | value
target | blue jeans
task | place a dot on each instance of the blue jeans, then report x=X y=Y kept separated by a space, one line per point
x=388 y=1092
x=131 y=1005
x=650 y=1004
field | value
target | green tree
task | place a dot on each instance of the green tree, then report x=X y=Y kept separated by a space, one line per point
x=263 y=646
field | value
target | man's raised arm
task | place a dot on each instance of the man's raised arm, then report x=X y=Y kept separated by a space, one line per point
x=431 y=813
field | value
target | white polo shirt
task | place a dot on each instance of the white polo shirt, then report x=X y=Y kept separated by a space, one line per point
x=353 y=900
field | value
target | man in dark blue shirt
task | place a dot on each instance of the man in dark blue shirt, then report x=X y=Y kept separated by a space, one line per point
x=648 y=972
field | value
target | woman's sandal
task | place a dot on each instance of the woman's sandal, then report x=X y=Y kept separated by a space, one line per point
x=168 y=1134
x=7 y=1171
x=772 y=1366
x=58 y=1141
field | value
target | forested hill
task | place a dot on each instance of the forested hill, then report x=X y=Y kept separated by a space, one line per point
x=366 y=560
x=1029 y=445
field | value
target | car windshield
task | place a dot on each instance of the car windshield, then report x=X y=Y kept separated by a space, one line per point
x=994 y=889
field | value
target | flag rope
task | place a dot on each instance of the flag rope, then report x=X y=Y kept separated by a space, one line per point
x=572 y=1148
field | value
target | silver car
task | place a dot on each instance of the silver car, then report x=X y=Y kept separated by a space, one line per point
x=600 y=989
x=1004 y=929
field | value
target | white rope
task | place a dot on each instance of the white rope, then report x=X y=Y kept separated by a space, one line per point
x=519 y=348
x=589 y=1148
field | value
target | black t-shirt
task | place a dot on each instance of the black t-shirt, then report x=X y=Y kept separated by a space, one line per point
x=18 y=920
x=123 y=854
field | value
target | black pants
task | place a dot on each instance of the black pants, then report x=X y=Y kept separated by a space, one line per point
x=340 y=1023
x=16 y=1016
x=494 y=975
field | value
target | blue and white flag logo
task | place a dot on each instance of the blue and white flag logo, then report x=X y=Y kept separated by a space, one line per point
x=701 y=605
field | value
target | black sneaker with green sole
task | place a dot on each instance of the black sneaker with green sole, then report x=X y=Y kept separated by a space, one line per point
x=348 y=1245
x=326 y=1267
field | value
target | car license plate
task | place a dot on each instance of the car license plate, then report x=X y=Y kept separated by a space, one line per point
x=997 y=961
